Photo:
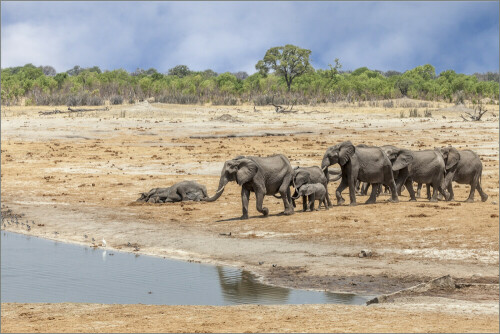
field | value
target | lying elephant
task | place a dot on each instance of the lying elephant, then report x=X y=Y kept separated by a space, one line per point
x=181 y=191
x=314 y=191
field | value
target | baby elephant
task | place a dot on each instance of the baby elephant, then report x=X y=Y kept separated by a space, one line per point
x=315 y=191
x=181 y=191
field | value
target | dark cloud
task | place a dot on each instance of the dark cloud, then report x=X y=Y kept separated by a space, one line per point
x=233 y=36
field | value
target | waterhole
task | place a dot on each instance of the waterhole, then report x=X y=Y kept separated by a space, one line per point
x=36 y=270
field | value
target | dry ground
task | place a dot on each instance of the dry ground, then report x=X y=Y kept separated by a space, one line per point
x=80 y=174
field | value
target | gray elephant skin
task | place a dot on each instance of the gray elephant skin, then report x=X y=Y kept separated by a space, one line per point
x=314 y=191
x=464 y=167
x=261 y=175
x=364 y=163
x=425 y=166
x=181 y=191
x=311 y=175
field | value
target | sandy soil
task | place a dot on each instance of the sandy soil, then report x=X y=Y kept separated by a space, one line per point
x=98 y=318
x=80 y=174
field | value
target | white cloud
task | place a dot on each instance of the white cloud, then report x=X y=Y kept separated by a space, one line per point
x=233 y=36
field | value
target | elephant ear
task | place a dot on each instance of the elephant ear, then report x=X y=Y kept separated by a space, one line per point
x=306 y=190
x=346 y=151
x=403 y=160
x=390 y=152
x=246 y=171
x=453 y=157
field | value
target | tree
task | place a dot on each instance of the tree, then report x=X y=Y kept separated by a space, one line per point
x=403 y=84
x=75 y=70
x=48 y=70
x=240 y=75
x=334 y=73
x=288 y=61
x=180 y=70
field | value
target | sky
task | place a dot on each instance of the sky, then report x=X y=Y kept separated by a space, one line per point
x=233 y=36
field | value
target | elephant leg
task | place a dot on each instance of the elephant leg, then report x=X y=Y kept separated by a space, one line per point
x=284 y=191
x=338 y=192
x=358 y=186
x=483 y=195
x=305 y=204
x=409 y=186
x=325 y=204
x=393 y=188
x=182 y=194
x=312 y=199
x=450 y=191
x=173 y=197
x=327 y=196
x=428 y=188
x=259 y=195
x=245 y=196
x=373 y=196
x=442 y=191
x=364 y=188
x=473 y=186
x=286 y=203
x=419 y=188
x=351 y=181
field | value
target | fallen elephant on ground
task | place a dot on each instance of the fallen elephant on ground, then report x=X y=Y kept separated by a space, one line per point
x=181 y=191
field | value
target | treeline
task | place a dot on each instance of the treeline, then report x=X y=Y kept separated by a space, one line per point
x=90 y=86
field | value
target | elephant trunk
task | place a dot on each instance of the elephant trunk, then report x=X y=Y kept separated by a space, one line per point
x=222 y=184
x=324 y=167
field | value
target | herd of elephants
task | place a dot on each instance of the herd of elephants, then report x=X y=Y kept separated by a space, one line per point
x=360 y=166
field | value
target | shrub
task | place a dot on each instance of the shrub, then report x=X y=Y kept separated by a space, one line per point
x=116 y=99
x=414 y=113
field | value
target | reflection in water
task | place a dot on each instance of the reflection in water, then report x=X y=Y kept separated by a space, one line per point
x=38 y=270
x=241 y=286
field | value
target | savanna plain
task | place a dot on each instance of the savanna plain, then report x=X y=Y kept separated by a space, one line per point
x=80 y=173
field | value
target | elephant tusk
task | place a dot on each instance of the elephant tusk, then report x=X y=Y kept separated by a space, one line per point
x=324 y=168
x=221 y=189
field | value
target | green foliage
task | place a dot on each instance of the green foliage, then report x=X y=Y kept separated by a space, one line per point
x=180 y=70
x=287 y=61
x=37 y=85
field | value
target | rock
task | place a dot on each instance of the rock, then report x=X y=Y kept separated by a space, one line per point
x=365 y=253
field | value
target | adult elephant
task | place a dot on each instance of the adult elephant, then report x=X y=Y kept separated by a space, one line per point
x=463 y=167
x=363 y=163
x=181 y=191
x=261 y=175
x=311 y=175
x=425 y=166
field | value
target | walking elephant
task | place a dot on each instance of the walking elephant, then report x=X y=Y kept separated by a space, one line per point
x=463 y=167
x=314 y=191
x=425 y=166
x=261 y=175
x=181 y=191
x=363 y=163
x=311 y=175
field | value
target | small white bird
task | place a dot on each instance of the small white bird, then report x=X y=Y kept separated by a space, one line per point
x=103 y=242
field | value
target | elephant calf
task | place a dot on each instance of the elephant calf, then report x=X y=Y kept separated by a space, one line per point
x=315 y=191
x=181 y=191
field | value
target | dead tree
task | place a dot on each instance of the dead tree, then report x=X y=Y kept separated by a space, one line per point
x=479 y=111
x=281 y=109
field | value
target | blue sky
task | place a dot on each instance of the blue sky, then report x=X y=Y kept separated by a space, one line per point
x=233 y=36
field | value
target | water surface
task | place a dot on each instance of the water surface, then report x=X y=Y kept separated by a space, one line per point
x=36 y=270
